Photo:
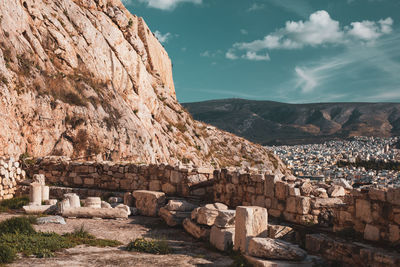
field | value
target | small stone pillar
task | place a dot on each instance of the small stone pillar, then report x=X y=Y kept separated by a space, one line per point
x=45 y=193
x=249 y=222
x=93 y=202
x=63 y=205
x=74 y=200
x=35 y=194
x=39 y=178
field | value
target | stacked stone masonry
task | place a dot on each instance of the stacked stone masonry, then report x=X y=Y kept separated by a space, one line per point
x=10 y=174
x=374 y=213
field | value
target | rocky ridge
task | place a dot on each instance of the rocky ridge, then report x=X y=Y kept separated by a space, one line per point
x=87 y=79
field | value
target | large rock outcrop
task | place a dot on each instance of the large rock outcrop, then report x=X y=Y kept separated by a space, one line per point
x=83 y=78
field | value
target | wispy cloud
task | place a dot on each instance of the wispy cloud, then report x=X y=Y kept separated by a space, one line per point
x=255 y=6
x=244 y=32
x=167 y=4
x=163 y=38
x=350 y=67
x=319 y=30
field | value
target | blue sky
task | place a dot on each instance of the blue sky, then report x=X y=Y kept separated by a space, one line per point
x=292 y=51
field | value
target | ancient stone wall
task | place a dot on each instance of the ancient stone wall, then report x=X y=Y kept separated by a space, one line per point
x=124 y=177
x=371 y=213
x=374 y=214
x=10 y=174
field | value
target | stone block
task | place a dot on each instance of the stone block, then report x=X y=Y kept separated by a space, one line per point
x=377 y=194
x=173 y=218
x=306 y=189
x=155 y=185
x=180 y=205
x=279 y=231
x=222 y=238
x=280 y=190
x=291 y=205
x=317 y=203
x=302 y=205
x=363 y=210
x=269 y=186
x=225 y=219
x=250 y=222
x=336 y=191
x=168 y=189
x=268 y=248
x=371 y=232
x=149 y=202
x=206 y=216
x=393 y=196
x=393 y=233
x=93 y=202
x=195 y=230
x=95 y=213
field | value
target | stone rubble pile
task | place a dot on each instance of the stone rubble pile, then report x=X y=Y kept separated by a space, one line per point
x=10 y=173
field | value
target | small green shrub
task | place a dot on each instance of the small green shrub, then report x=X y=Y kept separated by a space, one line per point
x=130 y=23
x=152 y=246
x=14 y=203
x=17 y=225
x=18 y=235
x=7 y=254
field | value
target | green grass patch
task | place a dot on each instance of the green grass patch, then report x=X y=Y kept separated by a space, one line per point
x=13 y=204
x=153 y=246
x=18 y=236
x=7 y=254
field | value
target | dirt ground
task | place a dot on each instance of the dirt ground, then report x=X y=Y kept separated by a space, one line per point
x=187 y=250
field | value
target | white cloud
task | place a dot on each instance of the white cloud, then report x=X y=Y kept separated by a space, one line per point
x=167 y=4
x=211 y=54
x=319 y=30
x=163 y=38
x=230 y=55
x=255 y=7
x=371 y=30
x=255 y=57
x=243 y=31
x=306 y=80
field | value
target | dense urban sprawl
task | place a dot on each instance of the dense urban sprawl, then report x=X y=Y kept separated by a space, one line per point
x=319 y=161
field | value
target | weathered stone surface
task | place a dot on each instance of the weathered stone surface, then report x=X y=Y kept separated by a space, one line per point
x=275 y=249
x=279 y=231
x=306 y=189
x=250 y=222
x=207 y=216
x=73 y=199
x=43 y=209
x=345 y=184
x=112 y=73
x=173 y=218
x=216 y=206
x=149 y=202
x=124 y=207
x=222 y=238
x=317 y=203
x=371 y=232
x=393 y=196
x=225 y=219
x=84 y=212
x=93 y=202
x=50 y=219
x=336 y=191
x=320 y=192
x=105 y=205
x=377 y=194
x=363 y=210
x=180 y=205
x=129 y=200
x=115 y=200
x=35 y=193
x=197 y=231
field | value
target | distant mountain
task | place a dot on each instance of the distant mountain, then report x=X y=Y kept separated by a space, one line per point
x=268 y=122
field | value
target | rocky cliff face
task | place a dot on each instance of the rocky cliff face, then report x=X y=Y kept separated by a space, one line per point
x=87 y=78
